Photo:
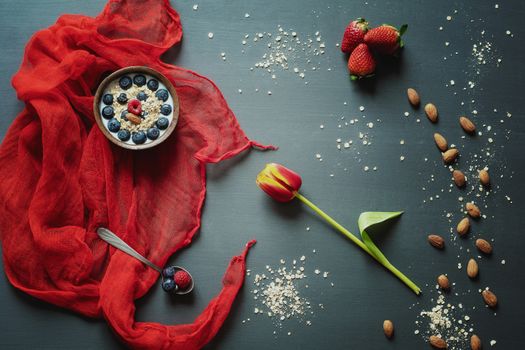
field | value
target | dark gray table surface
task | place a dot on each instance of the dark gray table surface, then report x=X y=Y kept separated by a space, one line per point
x=364 y=294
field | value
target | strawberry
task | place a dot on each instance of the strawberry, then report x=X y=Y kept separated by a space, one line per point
x=361 y=62
x=354 y=35
x=385 y=39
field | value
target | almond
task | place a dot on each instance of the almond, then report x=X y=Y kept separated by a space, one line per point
x=443 y=282
x=473 y=210
x=133 y=118
x=436 y=241
x=388 y=328
x=432 y=112
x=484 y=177
x=472 y=268
x=463 y=226
x=450 y=155
x=475 y=342
x=483 y=246
x=459 y=178
x=441 y=142
x=437 y=342
x=413 y=97
x=467 y=125
x=490 y=298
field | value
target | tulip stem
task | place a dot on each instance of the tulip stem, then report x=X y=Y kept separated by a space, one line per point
x=357 y=241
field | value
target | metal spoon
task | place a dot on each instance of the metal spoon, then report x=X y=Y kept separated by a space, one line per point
x=118 y=243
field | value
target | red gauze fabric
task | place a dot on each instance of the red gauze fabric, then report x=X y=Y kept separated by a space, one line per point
x=62 y=179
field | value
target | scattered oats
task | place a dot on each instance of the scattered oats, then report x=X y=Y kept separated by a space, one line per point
x=402 y=158
x=492 y=342
x=289 y=333
x=407 y=114
x=246 y=15
x=210 y=35
x=346 y=145
x=325 y=274
x=449 y=18
x=240 y=91
x=318 y=156
x=503 y=262
x=496 y=6
x=370 y=125
x=508 y=32
x=317 y=271
x=401 y=142
x=195 y=7
x=269 y=92
x=452 y=82
x=321 y=126
x=366 y=168
x=447 y=43
x=361 y=108
x=302 y=258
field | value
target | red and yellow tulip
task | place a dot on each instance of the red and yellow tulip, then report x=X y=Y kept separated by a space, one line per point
x=283 y=184
x=279 y=182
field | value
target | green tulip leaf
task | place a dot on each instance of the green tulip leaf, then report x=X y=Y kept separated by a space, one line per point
x=369 y=219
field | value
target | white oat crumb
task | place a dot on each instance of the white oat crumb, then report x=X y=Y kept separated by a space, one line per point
x=210 y=35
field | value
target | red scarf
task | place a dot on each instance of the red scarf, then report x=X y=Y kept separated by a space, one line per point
x=62 y=179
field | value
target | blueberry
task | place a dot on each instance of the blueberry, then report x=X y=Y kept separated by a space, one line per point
x=123 y=115
x=139 y=80
x=153 y=133
x=142 y=96
x=165 y=109
x=168 y=285
x=169 y=271
x=122 y=98
x=125 y=82
x=162 y=123
x=153 y=84
x=138 y=137
x=108 y=112
x=123 y=135
x=162 y=94
x=113 y=125
x=107 y=99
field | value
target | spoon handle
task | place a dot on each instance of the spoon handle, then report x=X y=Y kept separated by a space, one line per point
x=118 y=243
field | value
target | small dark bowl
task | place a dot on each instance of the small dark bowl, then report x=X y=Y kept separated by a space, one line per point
x=133 y=70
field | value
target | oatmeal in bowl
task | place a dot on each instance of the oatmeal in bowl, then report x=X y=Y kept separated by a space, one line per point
x=136 y=107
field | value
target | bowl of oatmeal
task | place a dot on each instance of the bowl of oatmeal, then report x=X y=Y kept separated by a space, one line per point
x=136 y=107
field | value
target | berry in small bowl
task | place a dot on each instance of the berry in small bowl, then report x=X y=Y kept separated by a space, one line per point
x=181 y=278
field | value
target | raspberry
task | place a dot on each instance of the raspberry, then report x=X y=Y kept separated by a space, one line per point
x=182 y=279
x=134 y=106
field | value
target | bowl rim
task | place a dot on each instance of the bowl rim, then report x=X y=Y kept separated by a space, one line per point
x=136 y=69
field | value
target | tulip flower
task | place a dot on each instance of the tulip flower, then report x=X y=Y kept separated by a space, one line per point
x=283 y=184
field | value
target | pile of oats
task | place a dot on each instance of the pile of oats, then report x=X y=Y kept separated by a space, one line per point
x=151 y=106
x=278 y=292
x=445 y=320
